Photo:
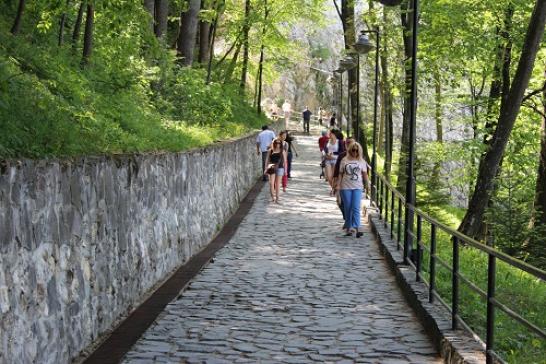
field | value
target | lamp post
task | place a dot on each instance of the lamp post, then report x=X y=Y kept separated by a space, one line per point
x=364 y=46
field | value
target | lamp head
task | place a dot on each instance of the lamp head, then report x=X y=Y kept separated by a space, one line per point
x=347 y=63
x=363 y=44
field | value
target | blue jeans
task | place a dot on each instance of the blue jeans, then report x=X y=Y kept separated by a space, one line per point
x=351 y=203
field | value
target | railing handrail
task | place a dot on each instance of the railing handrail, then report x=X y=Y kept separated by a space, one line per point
x=382 y=192
x=537 y=272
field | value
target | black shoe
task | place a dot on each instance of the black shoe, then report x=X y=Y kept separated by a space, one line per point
x=359 y=234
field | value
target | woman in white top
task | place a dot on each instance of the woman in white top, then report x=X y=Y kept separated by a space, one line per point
x=331 y=151
x=352 y=176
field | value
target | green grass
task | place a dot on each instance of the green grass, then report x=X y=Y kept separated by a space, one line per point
x=51 y=107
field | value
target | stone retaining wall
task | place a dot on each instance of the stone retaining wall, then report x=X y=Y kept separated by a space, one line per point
x=83 y=241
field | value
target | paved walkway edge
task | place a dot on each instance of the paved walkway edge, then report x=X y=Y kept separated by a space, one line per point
x=126 y=334
x=455 y=346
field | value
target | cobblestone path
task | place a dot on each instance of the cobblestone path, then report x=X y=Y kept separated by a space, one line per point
x=288 y=288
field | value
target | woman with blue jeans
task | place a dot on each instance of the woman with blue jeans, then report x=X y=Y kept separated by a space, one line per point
x=350 y=183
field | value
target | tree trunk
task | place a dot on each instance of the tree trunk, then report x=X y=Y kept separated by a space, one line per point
x=386 y=98
x=78 y=24
x=438 y=107
x=150 y=6
x=204 y=39
x=261 y=64
x=500 y=85
x=246 y=30
x=471 y=224
x=62 y=25
x=161 y=18
x=349 y=37
x=407 y=24
x=188 y=32
x=233 y=63
x=88 y=35
x=534 y=245
x=16 y=27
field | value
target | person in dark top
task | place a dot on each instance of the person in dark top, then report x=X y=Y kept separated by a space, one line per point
x=306 y=119
x=275 y=164
x=291 y=150
x=333 y=120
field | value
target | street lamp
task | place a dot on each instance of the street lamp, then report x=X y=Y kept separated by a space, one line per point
x=364 y=46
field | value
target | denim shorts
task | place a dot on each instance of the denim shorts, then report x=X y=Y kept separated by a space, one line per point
x=280 y=172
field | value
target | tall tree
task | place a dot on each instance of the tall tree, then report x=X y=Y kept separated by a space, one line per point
x=188 y=32
x=246 y=30
x=88 y=34
x=18 y=17
x=386 y=99
x=62 y=24
x=150 y=6
x=204 y=36
x=489 y=164
x=407 y=25
x=78 y=24
x=161 y=8
x=261 y=62
x=538 y=217
x=347 y=16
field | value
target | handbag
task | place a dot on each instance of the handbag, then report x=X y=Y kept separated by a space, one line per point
x=271 y=169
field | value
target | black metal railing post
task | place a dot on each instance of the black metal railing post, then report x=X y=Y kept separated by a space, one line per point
x=392 y=213
x=418 y=251
x=432 y=268
x=380 y=183
x=399 y=227
x=386 y=222
x=455 y=285
x=490 y=325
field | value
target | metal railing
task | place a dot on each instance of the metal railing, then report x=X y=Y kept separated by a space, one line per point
x=392 y=205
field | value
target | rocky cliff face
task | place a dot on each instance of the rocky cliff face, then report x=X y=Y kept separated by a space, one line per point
x=81 y=242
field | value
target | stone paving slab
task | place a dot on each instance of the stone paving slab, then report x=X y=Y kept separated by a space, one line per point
x=288 y=288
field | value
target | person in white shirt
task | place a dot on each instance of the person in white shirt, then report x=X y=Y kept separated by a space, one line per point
x=263 y=142
x=287 y=109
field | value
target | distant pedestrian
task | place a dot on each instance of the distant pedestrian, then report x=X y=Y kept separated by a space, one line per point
x=275 y=163
x=306 y=119
x=353 y=177
x=263 y=141
x=320 y=115
x=291 y=151
x=287 y=109
x=331 y=152
x=282 y=136
x=333 y=120
x=323 y=140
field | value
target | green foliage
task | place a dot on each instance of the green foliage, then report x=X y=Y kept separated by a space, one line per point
x=132 y=98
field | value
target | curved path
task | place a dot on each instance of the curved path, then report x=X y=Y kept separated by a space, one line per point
x=288 y=288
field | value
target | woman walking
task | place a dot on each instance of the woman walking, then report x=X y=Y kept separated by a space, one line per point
x=352 y=176
x=331 y=151
x=275 y=167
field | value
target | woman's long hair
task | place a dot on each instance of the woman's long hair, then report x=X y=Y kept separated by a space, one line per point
x=355 y=152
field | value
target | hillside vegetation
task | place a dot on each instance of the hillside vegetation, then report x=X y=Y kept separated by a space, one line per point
x=131 y=97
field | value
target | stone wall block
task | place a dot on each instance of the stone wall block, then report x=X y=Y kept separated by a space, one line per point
x=82 y=241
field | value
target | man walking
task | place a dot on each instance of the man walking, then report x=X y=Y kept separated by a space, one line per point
x=263 y=141
x=306 y=119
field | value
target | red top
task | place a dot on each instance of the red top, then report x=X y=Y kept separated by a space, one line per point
x=323 y=140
